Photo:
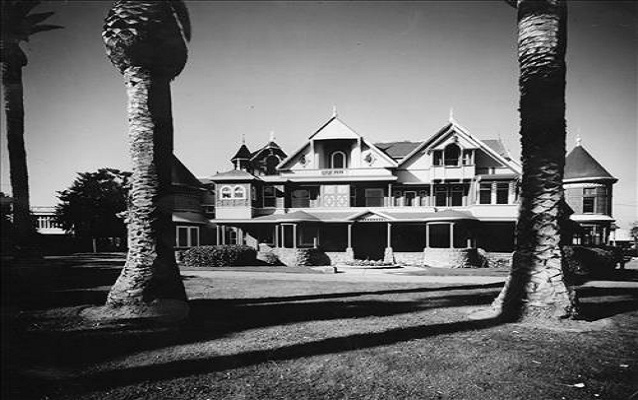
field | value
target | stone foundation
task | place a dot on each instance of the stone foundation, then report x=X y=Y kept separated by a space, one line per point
x=409 y=258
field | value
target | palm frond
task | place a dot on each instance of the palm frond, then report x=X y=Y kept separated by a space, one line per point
x=44 y=28
x=35 y=19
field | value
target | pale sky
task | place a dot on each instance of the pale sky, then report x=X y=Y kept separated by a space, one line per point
x=393 y=70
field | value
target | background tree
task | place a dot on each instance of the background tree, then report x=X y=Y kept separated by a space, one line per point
x=535 y=287
x=146 y=42
x=89 y=208
x=18 y=24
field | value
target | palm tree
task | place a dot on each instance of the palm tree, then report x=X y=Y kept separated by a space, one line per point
x=18 y=24
x=535 y=287
x=146 y=42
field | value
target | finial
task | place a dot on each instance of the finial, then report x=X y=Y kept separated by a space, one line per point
x=334 y=110
x=271 y=138
x=451 y=118
x=578 y=138
x=243 y=138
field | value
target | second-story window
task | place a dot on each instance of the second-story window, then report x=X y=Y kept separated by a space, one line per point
x=338 y=160
x=502 y=192
x=374 y=197
x=485 y=193
x=226 y=192
x=451 y=154
x=239 y=192
x=269 y=196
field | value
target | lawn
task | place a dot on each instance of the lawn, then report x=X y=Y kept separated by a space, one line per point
x=257 y=338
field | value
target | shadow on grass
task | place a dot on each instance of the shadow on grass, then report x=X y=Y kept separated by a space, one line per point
x=599 y=303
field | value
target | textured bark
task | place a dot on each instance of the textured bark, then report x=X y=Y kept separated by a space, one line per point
x=14 y=113
x=535 y=286
x=150 y=272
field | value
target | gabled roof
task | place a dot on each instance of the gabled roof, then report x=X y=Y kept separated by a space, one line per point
x=453 y=126
x=498 y=146
x=397 y=150
x=336 y=129
x=269 y=146
x=242 y=154
x=581 y=166
x=180 y=175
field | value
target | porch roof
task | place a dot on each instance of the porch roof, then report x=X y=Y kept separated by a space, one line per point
x=190 y=217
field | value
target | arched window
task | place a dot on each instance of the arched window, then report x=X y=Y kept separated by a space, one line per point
x=338 y=160
x=271 y=164
x=226 y=192
x=451 y=154
x=239 y=192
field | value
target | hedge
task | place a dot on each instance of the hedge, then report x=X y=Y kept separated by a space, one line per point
x=219 y=256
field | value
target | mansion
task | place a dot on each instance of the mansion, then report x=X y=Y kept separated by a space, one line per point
x=432 y=202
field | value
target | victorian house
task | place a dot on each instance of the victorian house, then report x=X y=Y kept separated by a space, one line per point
x=429 y=202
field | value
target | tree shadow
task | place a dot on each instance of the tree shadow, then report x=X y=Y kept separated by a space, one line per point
x=598 y=303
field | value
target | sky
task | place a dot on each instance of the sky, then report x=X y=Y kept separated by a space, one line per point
x=394 y=70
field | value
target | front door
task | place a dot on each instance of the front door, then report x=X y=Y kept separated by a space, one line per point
x=369 y=240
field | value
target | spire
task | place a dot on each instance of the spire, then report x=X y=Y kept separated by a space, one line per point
x=451 y=117
x=578 y=138
x=334 y=111
x=271 y=138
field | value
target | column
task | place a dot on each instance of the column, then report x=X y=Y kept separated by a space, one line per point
x=217 y=241
x=427 y=235
x=294 y=236
x=388 y=256
x=452 y=235
x=349 y=235
x=283 y=236
x=349 y=249
x=276 y=228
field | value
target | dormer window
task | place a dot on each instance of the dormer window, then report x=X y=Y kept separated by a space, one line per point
x=271 y=164
x=451 y=155
x=338 y=160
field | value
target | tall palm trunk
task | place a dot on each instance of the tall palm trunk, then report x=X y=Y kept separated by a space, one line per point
x=535 y=287
x=150 y=272
x=14 y=112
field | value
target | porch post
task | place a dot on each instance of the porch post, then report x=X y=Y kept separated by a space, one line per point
x=276 y=228
x=427 y=235
x=217 y=235
x=451 y=235
x=388 y=256
x=223 y=234
x=349 y=249
x=294 y=236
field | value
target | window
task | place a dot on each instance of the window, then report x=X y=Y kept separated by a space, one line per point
x=338 y=160
x=467 y=157
x=269 y=196
x=226 y=192
x=397 y=198
x=437 y=157
x=374 y=197
x=451 y=154
x=502 y=192
x=440 y=196
x=410 y=199
x=485 y=193
x=187 y=236
x=425 y=197
x=300 y=198
x=456 y=196
x=271 y=164
x=239 y=192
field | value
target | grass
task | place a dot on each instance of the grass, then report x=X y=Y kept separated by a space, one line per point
x=260 y=338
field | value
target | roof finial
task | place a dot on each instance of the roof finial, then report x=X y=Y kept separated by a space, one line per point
x=271 y=138
x=578 y=138
x=243 y=138
x=451 y=118
x=334 y=111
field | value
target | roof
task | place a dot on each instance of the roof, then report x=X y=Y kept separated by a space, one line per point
x=233 y=175
x=349 y=216
x=581 y=166
x=182 y=176
x=190 y=218
x=242 y=154
x=397 y=150
x=498 y=146
x=271 y=145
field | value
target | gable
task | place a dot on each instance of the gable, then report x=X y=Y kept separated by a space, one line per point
x=334 y=129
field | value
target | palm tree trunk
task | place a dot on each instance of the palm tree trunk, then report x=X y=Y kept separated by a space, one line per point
x=535 y=287
x=150 y=272
x=14 y=112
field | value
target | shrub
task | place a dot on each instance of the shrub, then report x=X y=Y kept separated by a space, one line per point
x=367 y=263
x=583 y=263
x=219 y=256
